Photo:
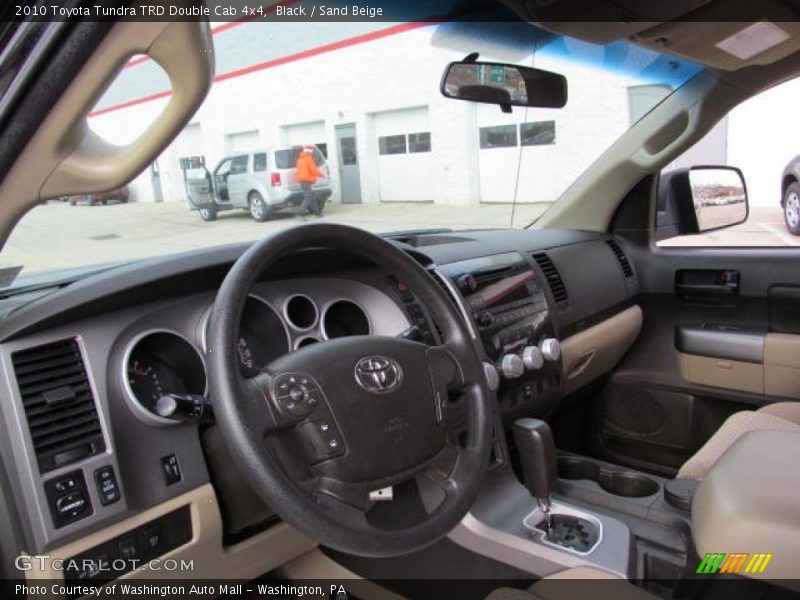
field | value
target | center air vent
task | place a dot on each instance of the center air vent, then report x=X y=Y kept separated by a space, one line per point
x=624 y=263
x=59 y=404
x=557 y=287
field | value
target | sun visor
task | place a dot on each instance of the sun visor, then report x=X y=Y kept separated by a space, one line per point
x=721 y=34
x=730 y=37
x=602 y=21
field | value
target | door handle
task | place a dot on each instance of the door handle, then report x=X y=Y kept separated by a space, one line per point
x=708 y=283
x=698 y=289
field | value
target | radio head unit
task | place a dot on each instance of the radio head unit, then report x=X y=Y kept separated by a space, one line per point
x=506 y=301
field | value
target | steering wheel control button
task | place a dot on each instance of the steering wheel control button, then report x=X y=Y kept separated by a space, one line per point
x=324 y=440
x=68 y=498
x=171 y=469
x=297 y=394
x=107 y=487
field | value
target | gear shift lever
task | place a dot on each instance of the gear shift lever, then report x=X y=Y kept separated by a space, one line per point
x=537 y=452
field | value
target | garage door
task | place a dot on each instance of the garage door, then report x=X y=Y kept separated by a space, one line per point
x=508 y=149
x=404 y=155
x=242 y=141
x=190 y=141
x=313 y=132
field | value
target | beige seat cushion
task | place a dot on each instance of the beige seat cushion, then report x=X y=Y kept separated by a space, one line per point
x=578 y=582
x=781 y=416
x=785 y=410
x=749 y=503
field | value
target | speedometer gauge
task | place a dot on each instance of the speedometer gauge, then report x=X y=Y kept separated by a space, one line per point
x=160 y=363
x=145 y=383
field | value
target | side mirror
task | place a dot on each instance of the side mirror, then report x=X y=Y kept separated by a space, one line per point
x=700 y=199
x=503 y=84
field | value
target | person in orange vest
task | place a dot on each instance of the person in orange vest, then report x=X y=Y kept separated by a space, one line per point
x=306 y=173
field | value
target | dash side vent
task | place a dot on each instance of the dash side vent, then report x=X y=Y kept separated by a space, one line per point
x=554 y=280
x=624 y=263
x=59 y=404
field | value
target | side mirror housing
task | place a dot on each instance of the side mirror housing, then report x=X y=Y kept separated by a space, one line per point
x=504 y=84
x=700 y=199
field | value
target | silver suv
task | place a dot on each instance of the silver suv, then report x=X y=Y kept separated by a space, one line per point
x=260 y=181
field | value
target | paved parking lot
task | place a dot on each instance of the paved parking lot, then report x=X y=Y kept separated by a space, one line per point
x=57 y=235
x=764 y=227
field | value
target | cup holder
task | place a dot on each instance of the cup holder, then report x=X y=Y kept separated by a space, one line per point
x=627 y=484
x=571 y=467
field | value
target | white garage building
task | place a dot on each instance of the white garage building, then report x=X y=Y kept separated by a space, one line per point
x=368 y=95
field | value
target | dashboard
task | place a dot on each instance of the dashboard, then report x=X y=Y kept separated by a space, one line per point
x=90 y=455
x=164 y=353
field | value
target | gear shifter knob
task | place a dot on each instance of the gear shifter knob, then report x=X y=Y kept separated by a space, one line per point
x=537 y=452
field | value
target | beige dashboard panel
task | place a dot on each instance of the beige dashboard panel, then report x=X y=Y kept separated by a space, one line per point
x=211 y=560
x=596 y=350
x=782 y=365
x=722 y=373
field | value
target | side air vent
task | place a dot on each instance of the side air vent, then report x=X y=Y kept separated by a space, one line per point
x=59 y=405
x=557 y=287
x=624 y=263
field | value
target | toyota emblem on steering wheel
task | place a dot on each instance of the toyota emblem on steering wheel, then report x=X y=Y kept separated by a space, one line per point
x=378 y=374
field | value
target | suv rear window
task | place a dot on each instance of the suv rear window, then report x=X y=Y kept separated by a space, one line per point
x=287 y=158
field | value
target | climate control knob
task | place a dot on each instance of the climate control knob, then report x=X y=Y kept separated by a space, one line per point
x=533 y=358
x=551 y=349
x=511 y=366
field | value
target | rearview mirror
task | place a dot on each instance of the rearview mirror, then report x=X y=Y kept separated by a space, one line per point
x=700 y=199
x=503 y=84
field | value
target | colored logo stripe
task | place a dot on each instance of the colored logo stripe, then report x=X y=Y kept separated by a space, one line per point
x=720 y=562
x=758 y=563
x=734 y=562
x=711 y=562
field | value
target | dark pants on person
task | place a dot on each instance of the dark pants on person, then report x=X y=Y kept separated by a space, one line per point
x=309 y=204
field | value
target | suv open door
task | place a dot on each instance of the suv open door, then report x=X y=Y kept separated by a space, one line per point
x=200 y=189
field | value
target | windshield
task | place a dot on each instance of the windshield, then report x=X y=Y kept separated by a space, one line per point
x=389 y=152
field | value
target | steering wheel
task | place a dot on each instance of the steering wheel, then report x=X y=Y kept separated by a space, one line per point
x=319 y=431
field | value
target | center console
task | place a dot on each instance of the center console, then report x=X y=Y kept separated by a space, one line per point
x=508 y=305
x=559 y=510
